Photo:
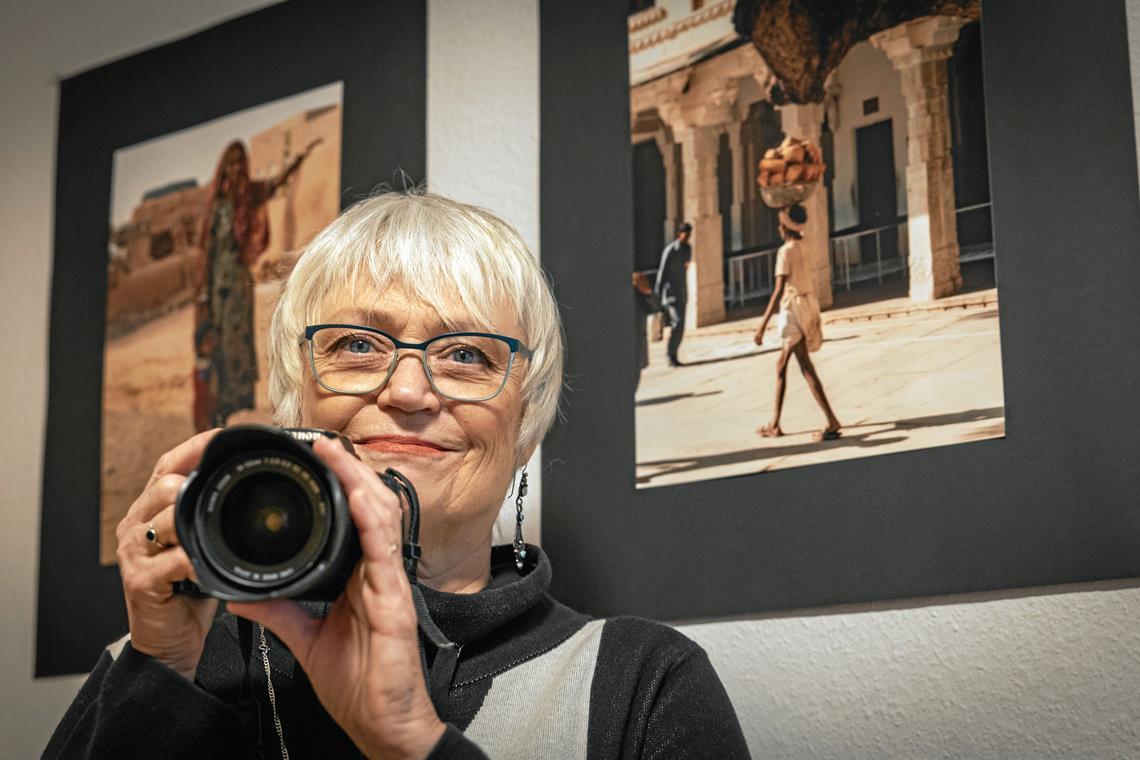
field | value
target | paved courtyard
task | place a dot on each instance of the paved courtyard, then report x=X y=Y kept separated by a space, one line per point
x=906 y=381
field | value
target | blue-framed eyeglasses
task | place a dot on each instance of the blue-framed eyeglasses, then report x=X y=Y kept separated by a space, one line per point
x=358 y=360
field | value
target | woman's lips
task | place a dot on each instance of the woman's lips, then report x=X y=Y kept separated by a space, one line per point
x=399 y=444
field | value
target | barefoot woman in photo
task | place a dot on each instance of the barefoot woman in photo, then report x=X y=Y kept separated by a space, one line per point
x=798 y=324
x=235 y=232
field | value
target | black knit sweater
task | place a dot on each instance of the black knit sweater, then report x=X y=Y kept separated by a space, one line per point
x=533 y=679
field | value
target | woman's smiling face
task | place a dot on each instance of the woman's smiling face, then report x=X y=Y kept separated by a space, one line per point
x=459 y=455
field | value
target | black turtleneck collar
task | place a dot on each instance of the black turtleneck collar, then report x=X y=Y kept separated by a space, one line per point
x=510 y=593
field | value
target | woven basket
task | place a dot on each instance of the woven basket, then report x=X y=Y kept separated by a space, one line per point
x=779 y=196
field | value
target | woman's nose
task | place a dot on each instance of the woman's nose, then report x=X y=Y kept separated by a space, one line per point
x=409 y=389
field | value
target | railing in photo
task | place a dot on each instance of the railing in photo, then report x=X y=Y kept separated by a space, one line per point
x=750 y=275
x=856 y=256
x=849 y=251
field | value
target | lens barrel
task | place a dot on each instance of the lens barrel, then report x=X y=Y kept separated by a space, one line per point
x=263 y=517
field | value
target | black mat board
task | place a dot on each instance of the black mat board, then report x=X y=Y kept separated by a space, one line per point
x=1056 y=501
x=377 y=49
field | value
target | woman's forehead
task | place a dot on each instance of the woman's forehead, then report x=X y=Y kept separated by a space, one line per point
x=394 y=308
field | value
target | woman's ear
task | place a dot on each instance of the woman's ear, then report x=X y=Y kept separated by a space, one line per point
x=522 y=456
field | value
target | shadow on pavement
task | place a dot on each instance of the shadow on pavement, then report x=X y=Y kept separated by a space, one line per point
x=692 y=464
x=674 y=397
x=734 y=357
x=987 y=314
x=937 y=420
x=681 y=465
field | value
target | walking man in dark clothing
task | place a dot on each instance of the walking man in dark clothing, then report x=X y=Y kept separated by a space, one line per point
x=671 y=288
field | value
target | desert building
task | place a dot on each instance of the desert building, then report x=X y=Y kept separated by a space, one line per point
x=154 y=257
x=901 y=123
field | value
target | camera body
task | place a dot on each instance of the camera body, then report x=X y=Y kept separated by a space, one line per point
x=263 y=517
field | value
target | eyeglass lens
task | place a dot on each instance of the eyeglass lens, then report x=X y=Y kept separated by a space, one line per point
x=467 y=367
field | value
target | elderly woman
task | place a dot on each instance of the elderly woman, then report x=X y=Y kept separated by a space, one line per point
x=402 y=276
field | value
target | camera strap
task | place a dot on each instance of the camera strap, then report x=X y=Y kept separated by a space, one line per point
x=245 y=639
x=245 y=695
x=439 y=676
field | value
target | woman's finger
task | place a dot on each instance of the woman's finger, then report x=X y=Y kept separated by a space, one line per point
x=169 y=473
x=356 y=475
x=159 y=532
x=171 y=565
x=155 y=576
x=184 y=457
x=288 y=621
x=351 y=471
x=160 y=493
x=378 y=515
x=380 y=542
x=162 y=525
x=379 y=527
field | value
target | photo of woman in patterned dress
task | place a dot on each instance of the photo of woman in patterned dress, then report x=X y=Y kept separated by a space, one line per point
x=235 y=232
x=205 y=225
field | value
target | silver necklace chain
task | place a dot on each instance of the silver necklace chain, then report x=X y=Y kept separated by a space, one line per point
x=264 y=647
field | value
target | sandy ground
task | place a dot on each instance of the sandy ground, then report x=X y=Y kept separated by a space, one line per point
x=897 y=384
x=147 y=398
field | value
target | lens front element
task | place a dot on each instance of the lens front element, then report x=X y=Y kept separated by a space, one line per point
x=266 y=519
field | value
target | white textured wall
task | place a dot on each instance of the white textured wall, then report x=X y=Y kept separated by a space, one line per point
x=41 y=42
x=482 y=138
x=1040 y=673
x=1045 y=673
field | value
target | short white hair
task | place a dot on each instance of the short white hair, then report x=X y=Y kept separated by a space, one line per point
x=447 y=254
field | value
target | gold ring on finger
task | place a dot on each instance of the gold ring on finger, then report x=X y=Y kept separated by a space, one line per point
x=152 y=536
x=394 y=549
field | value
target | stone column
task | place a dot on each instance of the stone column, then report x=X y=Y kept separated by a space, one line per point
x=806 y=123
x=699 y=148
x=665 y=145
x=655 y=323
x=740 y=179
x=919 y=50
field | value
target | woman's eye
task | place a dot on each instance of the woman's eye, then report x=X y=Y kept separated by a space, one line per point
x=352 y=345
x=467 y=355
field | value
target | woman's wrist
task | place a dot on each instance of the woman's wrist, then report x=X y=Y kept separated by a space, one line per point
x=420 y=742
x=187 y=667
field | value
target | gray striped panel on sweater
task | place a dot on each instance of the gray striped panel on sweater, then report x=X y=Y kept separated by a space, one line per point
x=541 y=708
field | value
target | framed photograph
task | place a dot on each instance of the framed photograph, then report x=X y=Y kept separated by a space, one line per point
x=205 y=224
x=974 y=439
x=889 y=315
x=189 y=179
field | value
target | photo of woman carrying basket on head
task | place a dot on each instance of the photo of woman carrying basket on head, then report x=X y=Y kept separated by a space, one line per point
x=798 y=325
x=856 y=207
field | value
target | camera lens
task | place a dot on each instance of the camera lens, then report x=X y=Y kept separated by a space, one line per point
x=266 y=519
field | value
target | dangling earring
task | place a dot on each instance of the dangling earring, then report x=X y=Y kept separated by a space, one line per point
x=520 y=547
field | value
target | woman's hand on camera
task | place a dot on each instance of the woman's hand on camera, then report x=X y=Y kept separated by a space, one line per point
x=170 y=627
x=363 y=658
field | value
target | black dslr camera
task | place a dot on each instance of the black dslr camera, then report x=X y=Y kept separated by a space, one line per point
x=262 y=517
